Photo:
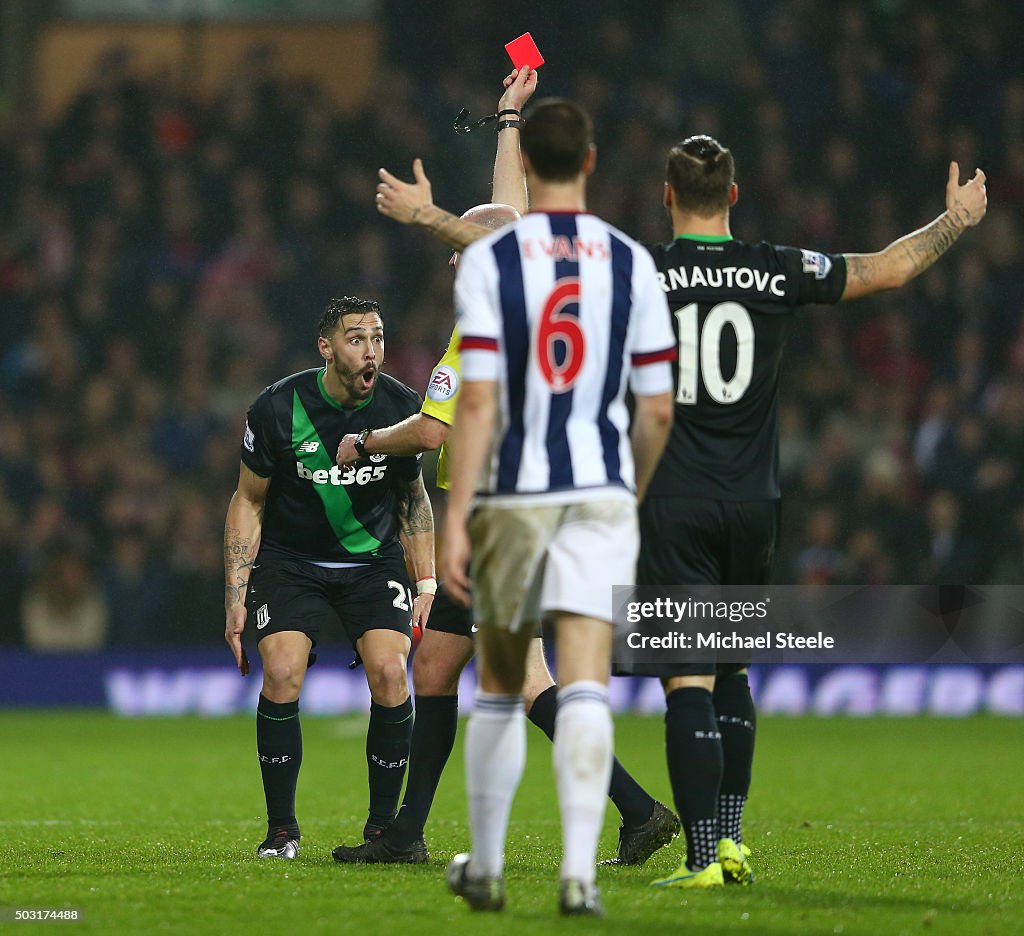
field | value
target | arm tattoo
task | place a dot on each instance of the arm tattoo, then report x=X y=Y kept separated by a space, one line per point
x=924 y=247
x=451 y=231
x=238 y=562
x=863 y=268
x=905 y=258
x=414 y=513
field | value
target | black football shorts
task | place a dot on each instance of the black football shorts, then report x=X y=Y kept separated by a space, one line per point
x=449 y=617
x=696 y=541
x=293 y=595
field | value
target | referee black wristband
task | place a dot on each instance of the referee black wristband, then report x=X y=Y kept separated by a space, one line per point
x=508 y=110
x=505 y=124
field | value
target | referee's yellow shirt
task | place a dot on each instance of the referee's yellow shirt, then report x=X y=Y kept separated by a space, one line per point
x=440 y=398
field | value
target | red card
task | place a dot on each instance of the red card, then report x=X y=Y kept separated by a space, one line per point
x=524 y=51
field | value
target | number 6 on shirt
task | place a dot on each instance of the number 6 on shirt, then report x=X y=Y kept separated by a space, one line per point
x=557 y=325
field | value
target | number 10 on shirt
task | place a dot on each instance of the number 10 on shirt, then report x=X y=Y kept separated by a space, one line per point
x=710 y=352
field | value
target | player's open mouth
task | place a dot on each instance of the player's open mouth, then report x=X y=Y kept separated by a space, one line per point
x=368 y=376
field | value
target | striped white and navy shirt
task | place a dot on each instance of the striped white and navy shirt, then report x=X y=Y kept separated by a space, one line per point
x=560 y=309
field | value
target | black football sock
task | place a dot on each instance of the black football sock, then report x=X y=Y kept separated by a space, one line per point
x=279 y=745
x=737 y=721
x=633 y=802
x=693 y=747
x=387 y=753
x=433 y=737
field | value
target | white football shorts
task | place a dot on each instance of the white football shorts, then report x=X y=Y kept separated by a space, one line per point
x=529 y=560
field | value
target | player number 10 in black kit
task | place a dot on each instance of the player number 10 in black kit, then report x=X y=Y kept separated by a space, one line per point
x=702 y=353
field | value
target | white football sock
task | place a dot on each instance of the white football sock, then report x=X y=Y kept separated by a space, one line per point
x=495 y=755
x=583 y=769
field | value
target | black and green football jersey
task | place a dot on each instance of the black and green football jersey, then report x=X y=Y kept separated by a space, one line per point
x=316 y=510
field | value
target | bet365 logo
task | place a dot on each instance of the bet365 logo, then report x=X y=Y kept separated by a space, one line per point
x=337 y=475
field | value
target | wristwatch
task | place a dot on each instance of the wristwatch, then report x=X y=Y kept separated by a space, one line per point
x=360 y=442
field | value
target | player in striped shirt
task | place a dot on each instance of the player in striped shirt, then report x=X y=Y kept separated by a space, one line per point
x=559 y=313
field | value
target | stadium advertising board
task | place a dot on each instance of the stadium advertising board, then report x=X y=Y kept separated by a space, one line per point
x=201 y=682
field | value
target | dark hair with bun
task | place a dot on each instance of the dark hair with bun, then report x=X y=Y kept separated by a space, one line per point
x=701 y=172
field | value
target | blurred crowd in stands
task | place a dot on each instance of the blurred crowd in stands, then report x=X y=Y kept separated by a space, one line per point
x=163 y=258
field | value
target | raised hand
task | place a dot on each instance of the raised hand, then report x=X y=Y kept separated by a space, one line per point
x=519 y=87
x=966 y=203
x=404 y=201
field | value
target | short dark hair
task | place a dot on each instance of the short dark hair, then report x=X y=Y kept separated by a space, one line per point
x=701 y=172
x=336 y=308
x=556 y=137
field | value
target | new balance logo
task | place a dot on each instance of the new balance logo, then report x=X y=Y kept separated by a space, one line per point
x=262 y=617
x=309 y=447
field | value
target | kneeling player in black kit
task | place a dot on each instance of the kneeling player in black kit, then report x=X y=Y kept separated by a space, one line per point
x=308 y=544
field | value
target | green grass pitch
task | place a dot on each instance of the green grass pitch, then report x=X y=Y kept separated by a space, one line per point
x=874 y=827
